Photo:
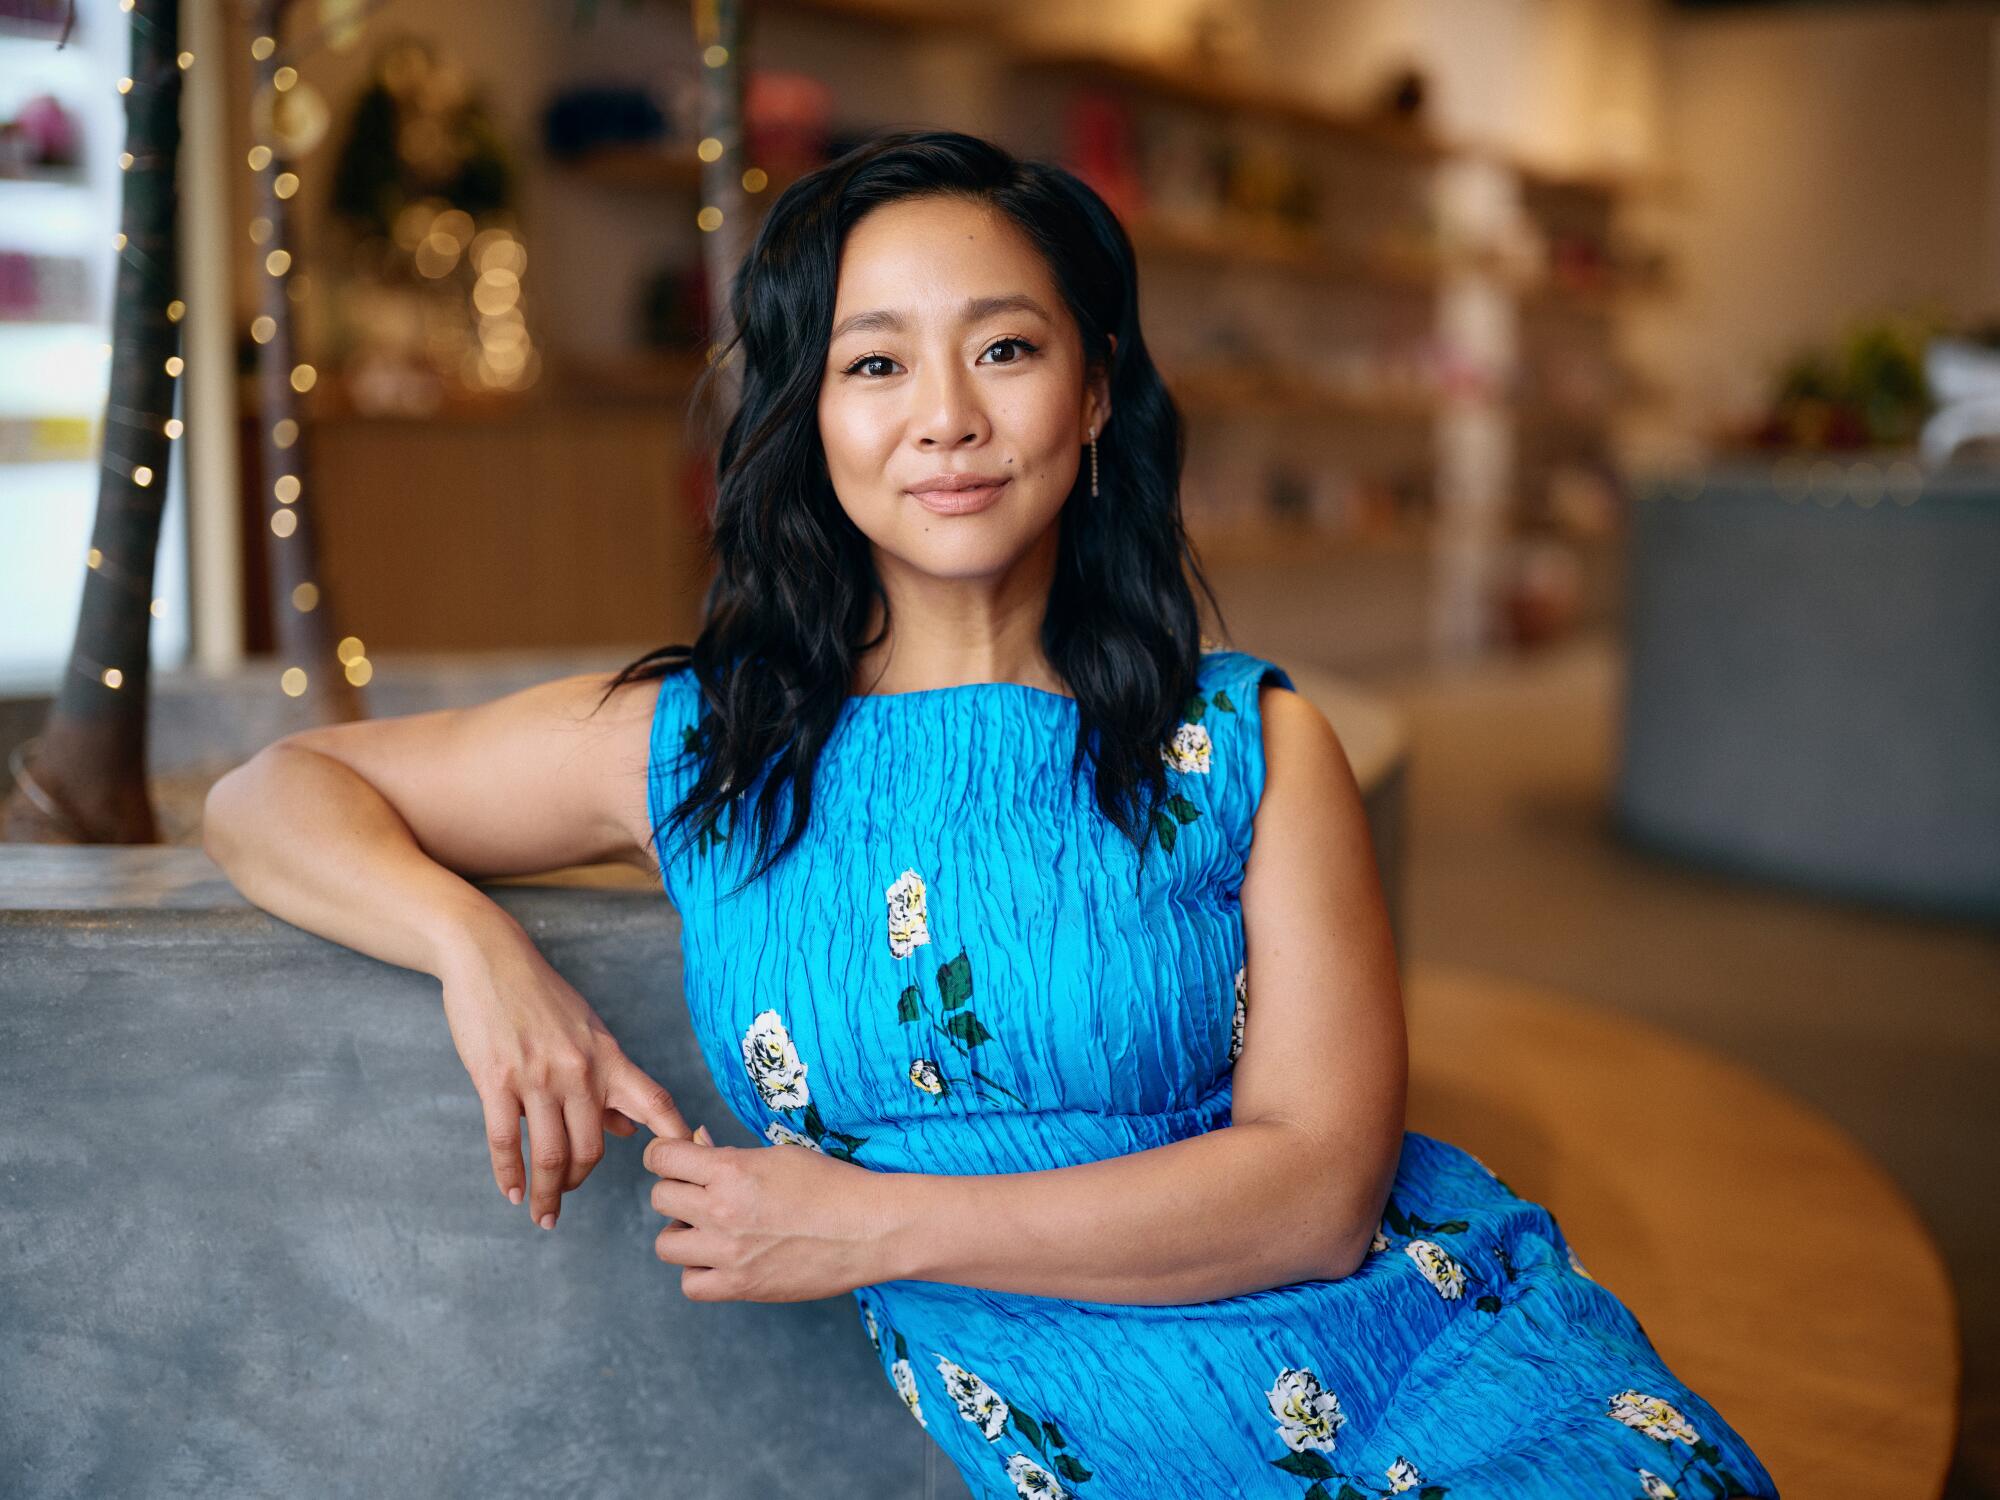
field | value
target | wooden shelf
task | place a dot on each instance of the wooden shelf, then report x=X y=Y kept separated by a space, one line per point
x=1221 y=390
x=1249 y=242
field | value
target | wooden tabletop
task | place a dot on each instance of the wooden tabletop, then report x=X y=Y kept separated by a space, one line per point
x=1776 y=1267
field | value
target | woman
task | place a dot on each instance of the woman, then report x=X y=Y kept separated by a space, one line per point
x=1042 y=944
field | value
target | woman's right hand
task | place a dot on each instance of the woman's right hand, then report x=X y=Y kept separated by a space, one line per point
x=535 y=1047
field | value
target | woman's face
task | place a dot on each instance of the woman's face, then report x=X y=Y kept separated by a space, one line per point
x=953 y=354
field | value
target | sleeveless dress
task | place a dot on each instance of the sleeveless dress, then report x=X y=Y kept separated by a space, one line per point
x=961 y=968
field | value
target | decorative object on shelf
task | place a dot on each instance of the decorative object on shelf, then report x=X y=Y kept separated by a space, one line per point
x=83 y=778
x=43 y=139
x=43 y=288
x=589 y=117
x=430 y=302
x=1870 y=392
x=52 y=20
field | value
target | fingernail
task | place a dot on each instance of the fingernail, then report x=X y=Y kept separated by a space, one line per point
x=548 y=1221
x=514 y=1196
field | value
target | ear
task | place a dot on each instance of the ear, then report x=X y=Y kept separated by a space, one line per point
x=1098 y=406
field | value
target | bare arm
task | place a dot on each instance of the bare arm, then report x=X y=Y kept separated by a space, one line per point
x=372 y=833
x=1294 y=1187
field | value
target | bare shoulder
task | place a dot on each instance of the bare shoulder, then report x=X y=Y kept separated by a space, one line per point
x=1311 y=826
x=540 y=779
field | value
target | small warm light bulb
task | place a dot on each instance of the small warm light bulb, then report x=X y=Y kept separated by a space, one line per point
x=94 y=557
x=125 y=161
x=285 y=184
x=142 y=476
x=303 y=377
x=285 y=432
x=126 y=5
x=286 y=489
x=350 y=648
x=174 y=428
x=262 y=48
x=186 y=60
x=263 y=328
x=118 y=243
x=709 y=218
x=278 y=262
x=284 y=78
x=294 y=681
x=259 y=158
x=305 y=598
x=113 y=677
x=284 y=522
x=260 y=230
x=175 y=364
x=159 y=609
x=124 y=85
x=715 y=56
x=360 y=670
x=755 y=180
x=710 y=149
x=176 y=310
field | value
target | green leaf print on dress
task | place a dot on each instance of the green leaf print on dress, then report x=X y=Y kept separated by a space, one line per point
x=779 y=1074
x=1309 y=1422
x=710 y=833
x=1662 y=1421
x=909 y=929
x=982 y=1406
x=1191 y=751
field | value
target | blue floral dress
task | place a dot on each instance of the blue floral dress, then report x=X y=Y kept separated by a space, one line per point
x=963 y=969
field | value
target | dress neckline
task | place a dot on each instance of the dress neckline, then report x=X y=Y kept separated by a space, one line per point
x=1022 y=689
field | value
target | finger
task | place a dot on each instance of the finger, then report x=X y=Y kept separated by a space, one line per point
x=633 y=1091
x=502 y=1108
x=617 y=1124
x=689 y=1160
x=548 y=1151
x=701 y=1134
x=683 y=1245
x=585 y=1117
x=677 y=1200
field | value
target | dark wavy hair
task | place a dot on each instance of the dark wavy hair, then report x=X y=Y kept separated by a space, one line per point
x=793 y=576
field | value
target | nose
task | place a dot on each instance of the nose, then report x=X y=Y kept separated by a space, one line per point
x=947 y=412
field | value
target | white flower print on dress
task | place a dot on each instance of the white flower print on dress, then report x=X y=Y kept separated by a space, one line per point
x=1655 y=1487
x=925 y=1075
x=1444 y=1273
x=977 y=1401
x=1308 y=1414
x=906 y=1387
x=1656 y=1418
x=1032 y=1481
x=1403 y=1475
x=874 y=1329
x=773 y=1063
x=1189 y=750
x=1236 y=1022
x=1380 y=1242
x=780 y=1134
x=907 y=925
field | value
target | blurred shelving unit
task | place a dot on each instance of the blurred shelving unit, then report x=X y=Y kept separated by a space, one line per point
x=1388 y=348
x=58 y=220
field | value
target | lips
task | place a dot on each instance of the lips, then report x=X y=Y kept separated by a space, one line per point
x=958 y=495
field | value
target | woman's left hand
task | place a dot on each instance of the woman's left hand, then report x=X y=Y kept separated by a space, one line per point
x=779 y=1223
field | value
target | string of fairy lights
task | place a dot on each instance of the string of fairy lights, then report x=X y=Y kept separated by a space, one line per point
x=287 y=486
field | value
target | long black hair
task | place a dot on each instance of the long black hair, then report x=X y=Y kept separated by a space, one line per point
x=793 y=576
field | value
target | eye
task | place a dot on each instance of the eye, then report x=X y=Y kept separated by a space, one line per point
x=867 y=359
x=1023 y=343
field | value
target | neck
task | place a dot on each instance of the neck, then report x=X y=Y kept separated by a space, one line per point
x=946 y=632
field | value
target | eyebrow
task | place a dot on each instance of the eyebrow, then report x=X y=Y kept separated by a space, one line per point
x=887 y=319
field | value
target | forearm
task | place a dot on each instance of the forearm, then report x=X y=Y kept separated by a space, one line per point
x=1235 y=1210
x=309 y=840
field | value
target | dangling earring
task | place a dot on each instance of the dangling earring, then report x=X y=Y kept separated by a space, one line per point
x=1093 y=463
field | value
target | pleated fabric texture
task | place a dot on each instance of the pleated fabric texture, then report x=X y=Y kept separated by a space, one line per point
x=965 y=968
